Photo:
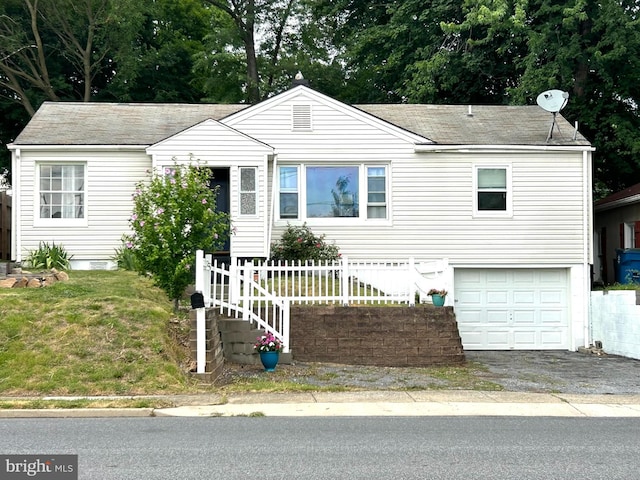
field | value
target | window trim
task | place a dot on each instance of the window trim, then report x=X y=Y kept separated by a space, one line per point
x=59 y=222
x=508 y=211
x=362 y=186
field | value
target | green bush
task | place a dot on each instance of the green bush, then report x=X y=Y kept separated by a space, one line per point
x=48 y=256
x=298 y=243
x=125 y=258
x=174 y=214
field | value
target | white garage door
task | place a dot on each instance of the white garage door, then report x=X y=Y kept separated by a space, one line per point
x=504 y=309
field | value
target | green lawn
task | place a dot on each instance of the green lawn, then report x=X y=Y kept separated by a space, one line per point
x=97 y=333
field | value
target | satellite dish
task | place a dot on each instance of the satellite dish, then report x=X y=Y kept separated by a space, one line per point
x=553 y=100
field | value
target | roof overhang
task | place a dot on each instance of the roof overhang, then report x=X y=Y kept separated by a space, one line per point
x=426 y=148
x=622 y=202
x=78 y=148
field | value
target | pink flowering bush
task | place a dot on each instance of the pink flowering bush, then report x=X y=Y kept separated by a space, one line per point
x=298 y=243
x=268 y=343
x=174 y=215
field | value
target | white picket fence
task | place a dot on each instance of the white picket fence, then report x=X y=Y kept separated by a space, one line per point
x=262 y=293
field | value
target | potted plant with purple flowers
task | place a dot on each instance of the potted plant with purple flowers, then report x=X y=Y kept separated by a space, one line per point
x=269 y=348
x=437 y=296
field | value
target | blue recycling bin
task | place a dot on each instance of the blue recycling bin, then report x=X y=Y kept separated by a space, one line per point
x=628 y=265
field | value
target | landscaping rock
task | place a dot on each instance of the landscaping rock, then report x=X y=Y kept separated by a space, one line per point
x=33 y=280
x=34 y=283
x=8 y=283
x=62 y=276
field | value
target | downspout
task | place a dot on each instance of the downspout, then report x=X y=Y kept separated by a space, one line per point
x=588 y=245
x=16 y=204
x=272 y=208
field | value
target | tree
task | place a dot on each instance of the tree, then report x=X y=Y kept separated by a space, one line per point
x=174 y=215
x=157 y=65
x=270 y=21
x=589 y=48
x=57 y=49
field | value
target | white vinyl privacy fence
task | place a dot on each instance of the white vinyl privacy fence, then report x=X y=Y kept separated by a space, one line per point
x=262 y=292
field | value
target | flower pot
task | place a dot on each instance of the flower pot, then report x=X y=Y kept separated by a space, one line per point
x=269 y=360
x=438 y=300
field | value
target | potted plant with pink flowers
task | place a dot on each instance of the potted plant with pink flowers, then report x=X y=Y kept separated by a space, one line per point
x=269 y=348
x=437 y=296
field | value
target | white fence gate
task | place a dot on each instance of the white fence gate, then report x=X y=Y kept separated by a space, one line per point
x=262 y=293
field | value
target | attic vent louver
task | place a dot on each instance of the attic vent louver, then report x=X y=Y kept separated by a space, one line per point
x=301 y=117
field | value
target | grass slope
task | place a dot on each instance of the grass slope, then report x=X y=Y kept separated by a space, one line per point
x=98 y=333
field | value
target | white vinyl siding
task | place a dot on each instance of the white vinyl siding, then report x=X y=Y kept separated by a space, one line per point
x=108 y=198
x=430 y=207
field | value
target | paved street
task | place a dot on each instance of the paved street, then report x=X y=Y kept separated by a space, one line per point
x=431 y=448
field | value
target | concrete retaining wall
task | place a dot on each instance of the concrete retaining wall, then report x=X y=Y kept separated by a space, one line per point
x=615 y=321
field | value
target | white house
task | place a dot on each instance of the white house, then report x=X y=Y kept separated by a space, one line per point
x=498 y=190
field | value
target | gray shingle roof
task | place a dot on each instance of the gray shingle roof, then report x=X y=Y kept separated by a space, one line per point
x=77 y=123
x=487 y=124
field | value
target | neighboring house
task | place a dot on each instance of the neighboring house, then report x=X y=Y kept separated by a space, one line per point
x=486 y=187
x=616 y=226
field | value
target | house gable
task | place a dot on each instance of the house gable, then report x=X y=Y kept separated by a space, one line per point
x=209 y=141
x=302 y=100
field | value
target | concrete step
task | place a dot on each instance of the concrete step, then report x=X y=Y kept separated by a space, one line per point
x=235 y=325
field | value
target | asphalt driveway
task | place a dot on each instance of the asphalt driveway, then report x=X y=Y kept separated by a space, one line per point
x=514 y=371
x=559 y=371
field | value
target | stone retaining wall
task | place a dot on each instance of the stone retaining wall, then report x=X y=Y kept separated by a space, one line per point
x=418 y=336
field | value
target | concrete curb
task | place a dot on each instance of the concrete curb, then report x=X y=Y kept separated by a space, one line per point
x=358 y=403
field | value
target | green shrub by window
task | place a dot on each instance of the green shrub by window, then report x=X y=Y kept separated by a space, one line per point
x=298 y=243
x=48 y=256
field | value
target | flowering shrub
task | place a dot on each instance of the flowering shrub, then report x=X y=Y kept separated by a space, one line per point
x=268 y=343
x=173 y=216
x=300 y=244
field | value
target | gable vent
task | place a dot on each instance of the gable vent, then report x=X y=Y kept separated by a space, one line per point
x=301 y=117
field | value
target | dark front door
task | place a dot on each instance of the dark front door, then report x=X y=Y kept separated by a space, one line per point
x=220 y=179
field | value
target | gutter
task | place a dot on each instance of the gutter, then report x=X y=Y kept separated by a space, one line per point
x=79 y=148
x=618 y=203
x=424 y=148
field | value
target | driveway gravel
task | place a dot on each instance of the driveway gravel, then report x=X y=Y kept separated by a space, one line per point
x=515 y=371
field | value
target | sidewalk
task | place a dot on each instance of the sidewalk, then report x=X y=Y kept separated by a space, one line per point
x=364 y=403
x=416 y=403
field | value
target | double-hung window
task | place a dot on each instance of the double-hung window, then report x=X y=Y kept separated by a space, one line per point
x=336 y=191
x=62 y=191
x=492 y=190
x=289 y=197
